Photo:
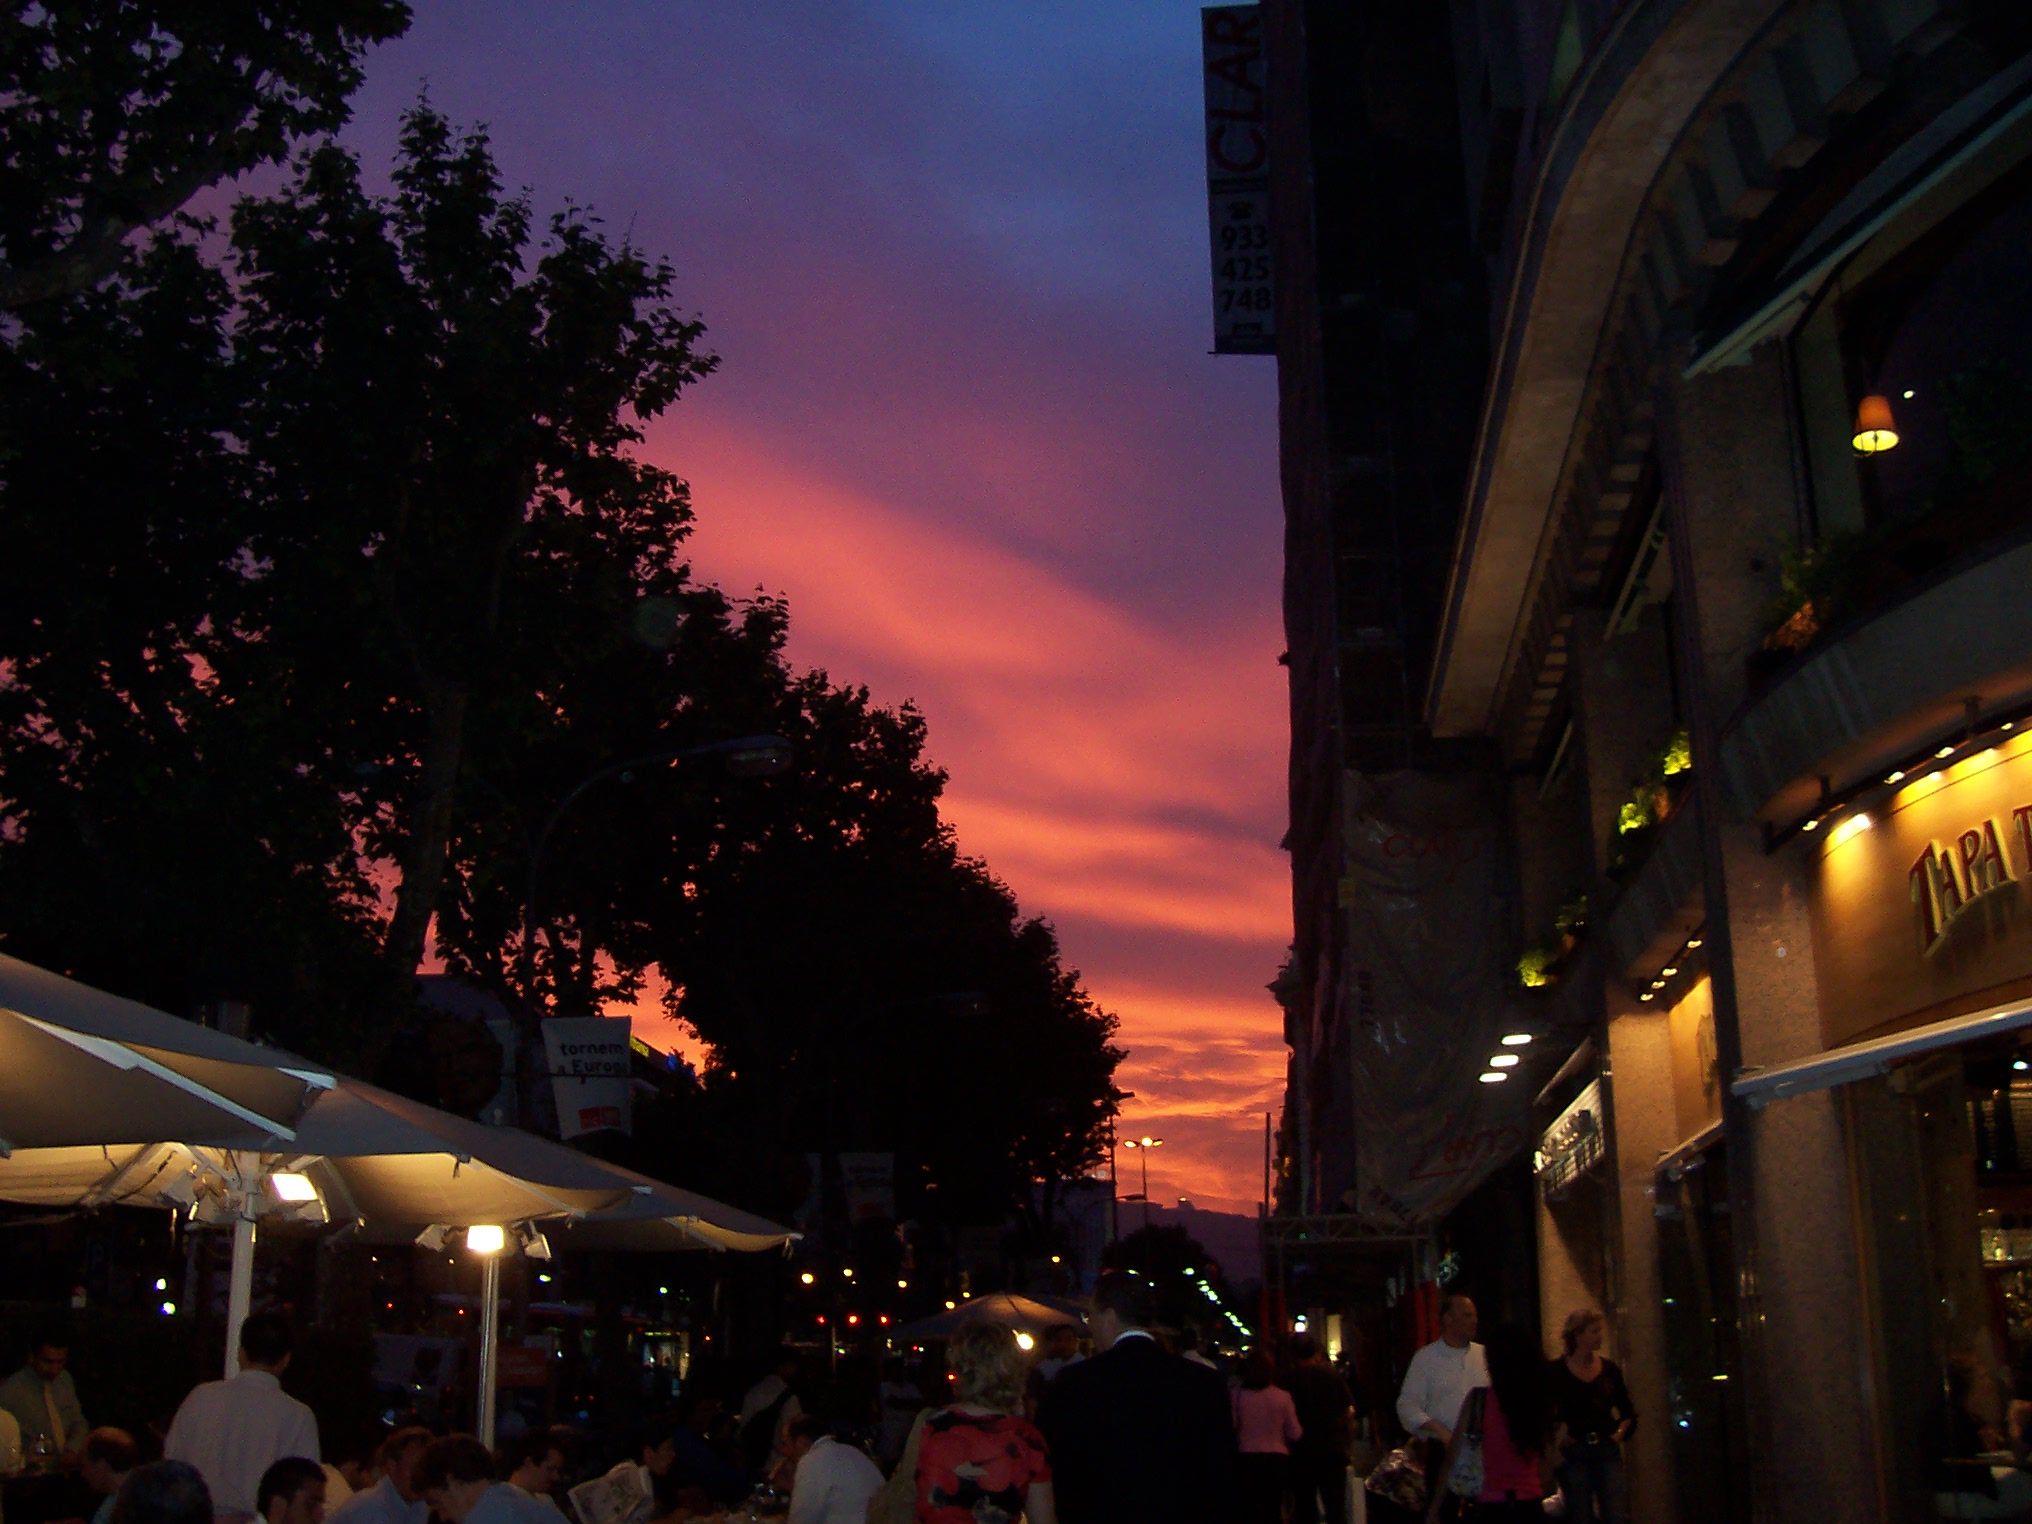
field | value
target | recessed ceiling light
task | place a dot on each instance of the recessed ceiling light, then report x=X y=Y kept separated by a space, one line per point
x=1505 y=1061
x=1516 y=1039
x=1692 y=942
x=1494 y=1077
x=1667 y=973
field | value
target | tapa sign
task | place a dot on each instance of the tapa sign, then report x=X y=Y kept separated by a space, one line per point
x=589 y=1073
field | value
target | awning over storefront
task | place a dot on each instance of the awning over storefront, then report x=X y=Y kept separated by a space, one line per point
x=1867 y=1060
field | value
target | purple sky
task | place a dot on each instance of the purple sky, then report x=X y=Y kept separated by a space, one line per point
x=954 y=260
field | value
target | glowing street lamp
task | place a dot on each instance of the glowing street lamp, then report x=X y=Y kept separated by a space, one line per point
x=1143 y=1145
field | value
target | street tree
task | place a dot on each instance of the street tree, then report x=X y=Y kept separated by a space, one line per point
x=114 y=113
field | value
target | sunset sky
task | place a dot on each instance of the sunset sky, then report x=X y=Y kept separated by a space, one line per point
x=954 y=259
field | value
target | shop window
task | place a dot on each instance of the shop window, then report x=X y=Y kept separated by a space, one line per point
x=1940 y=333
x=1697 y=1280
x=1942 y=1150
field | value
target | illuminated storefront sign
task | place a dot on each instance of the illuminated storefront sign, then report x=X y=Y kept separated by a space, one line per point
x=1922 y=906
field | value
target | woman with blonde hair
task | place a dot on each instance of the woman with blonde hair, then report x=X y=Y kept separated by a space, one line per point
x=978 y=1461
x=1594 y=1408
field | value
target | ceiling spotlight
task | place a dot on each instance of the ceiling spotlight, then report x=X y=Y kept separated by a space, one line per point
x=1494 y=1077
x=1667 y=973
x=1897 y=775
x=1811 y=825
x=292 y=1187
x=807 y=1277
x=1692 y=943
x=1505 y=1061
x=1516 y=1039
x=1647 y=995
x=1945 y=751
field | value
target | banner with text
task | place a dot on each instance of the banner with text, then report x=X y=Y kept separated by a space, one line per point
x=589 y=1073
x=1238 y=178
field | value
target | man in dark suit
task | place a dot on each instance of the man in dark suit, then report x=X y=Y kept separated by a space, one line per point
x=1137 y=1436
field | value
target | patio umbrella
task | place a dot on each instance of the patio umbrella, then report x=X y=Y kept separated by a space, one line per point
x=80 y=1066
x=393 y=1166
x=1011 y=1310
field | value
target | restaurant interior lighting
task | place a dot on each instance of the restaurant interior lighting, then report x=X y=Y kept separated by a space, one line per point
x=487 y=1238
x=289 y=1186
x=1516 y=1039
x=1876 y=431
x=1505 y=1061
x=1494 y=1077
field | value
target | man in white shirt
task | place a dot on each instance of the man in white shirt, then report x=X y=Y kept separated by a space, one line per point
x=395 y=1499
x=1443 y=1373
x=232 y=1431
x=766 y=1412
x=834 y=1482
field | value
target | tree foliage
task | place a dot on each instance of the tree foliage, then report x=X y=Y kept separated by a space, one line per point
x=329 y=564
x=114 y=113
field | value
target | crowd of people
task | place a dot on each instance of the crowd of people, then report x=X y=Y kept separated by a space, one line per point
x=1142 y=1429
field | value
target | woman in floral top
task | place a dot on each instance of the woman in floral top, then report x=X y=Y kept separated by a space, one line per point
x=977 y=1462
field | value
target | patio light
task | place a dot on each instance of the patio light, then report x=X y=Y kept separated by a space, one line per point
x=1875 y=431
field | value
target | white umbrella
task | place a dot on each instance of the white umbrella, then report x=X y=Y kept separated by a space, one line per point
x=388 y=1164
x=79 y=1066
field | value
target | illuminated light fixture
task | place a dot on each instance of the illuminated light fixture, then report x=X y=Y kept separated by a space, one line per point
x=807 y=1277
x=1025 y=1343
x=949 y=1306
x=663 y=1291
x=1908 y=394
x=486 y=1239
x=1667 y=973
x=2008 y=725
x=2020 y=1065
x=1516 y=1039
x=847 y=1271
x=1057 y=1259
x=1811 y=825
x=1945 y=751
x=292 y=1187
x=1658 y=984
x=853 y=1319
x=169 y=1309
x=161 y=1285
x=1854 y=826
x=1875 y=430
x=543 y=1280
x=903 y=1285
x=1692 y=943
x=1647 y=995
x=883 y=1320
x=1894 y=777
x=1500 y=1061
x=1494 y=1077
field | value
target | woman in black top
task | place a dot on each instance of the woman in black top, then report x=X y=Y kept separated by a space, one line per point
x=1595 y=1408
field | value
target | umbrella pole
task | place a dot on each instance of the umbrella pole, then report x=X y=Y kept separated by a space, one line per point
x=240 y=1289
x=490 y=1319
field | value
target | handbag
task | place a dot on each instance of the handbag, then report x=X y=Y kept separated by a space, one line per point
x=896 y=1503
x=1464 y=1476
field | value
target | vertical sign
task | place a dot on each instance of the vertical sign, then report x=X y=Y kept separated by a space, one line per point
x=590 y=1072
x=1238 y=178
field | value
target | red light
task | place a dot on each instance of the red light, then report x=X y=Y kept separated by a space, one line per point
x=885 y=1319
x=821 y=1317
x=853 y=1317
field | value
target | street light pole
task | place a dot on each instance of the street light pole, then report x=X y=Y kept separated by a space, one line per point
x=746 y=756
x=1144 y=1144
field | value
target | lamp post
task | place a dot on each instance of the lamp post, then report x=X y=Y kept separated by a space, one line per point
x=488 y=1242
x=1143 y=1145
x=765 y=756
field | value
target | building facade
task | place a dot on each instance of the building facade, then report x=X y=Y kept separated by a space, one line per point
x=1733 y=643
